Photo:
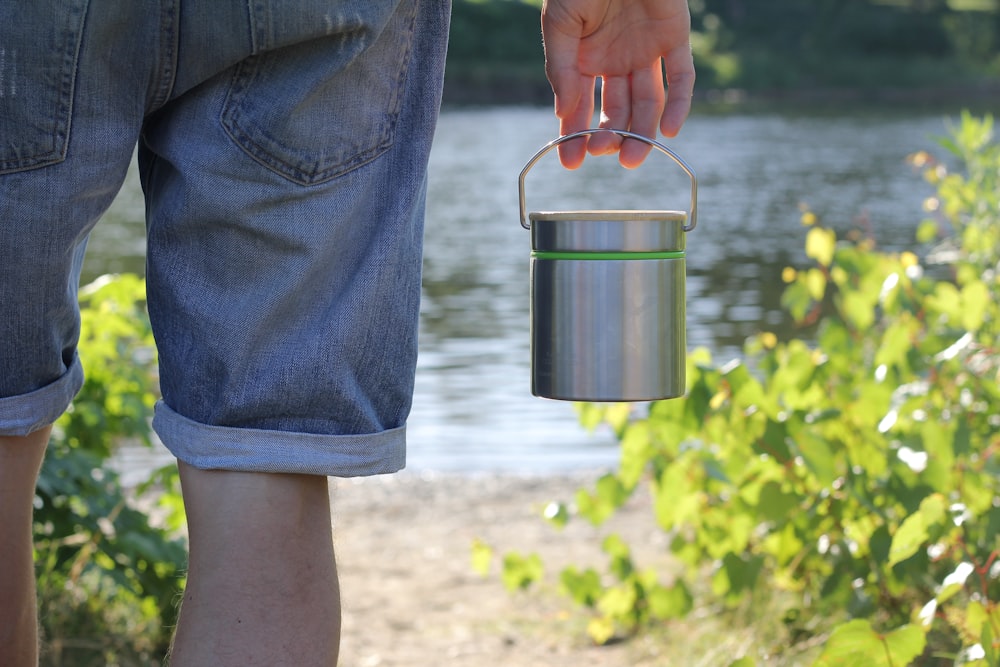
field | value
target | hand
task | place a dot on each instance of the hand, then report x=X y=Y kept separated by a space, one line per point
x=627 y=43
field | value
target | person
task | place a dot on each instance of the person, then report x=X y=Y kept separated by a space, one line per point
x=283 y=151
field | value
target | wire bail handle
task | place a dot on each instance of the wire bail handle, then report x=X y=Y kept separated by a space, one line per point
x=692 y=216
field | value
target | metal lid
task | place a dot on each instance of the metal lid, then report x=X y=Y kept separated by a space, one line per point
x=607 y=231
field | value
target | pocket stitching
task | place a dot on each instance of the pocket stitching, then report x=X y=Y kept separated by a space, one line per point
x=59 y=137
x=265 y=155
x=249 y=139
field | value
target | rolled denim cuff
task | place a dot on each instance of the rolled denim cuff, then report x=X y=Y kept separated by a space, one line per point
x=257 y=450
x=27 y=413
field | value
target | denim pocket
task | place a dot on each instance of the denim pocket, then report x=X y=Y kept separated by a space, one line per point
x=39 y=50
x=314 y=110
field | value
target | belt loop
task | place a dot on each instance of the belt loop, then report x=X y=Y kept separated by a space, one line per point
x=168 y=38
x=260 y=25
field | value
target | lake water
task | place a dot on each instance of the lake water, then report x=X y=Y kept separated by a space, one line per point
x=472 y=408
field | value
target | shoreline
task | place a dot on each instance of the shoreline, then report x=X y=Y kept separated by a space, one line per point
x=461 y=94
x=410 y=594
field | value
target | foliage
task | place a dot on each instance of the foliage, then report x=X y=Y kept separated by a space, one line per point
x=108 y=578
x=495 y=50
x=785 y=44
x=860 y=474
x=506 y=31
x=495 y=53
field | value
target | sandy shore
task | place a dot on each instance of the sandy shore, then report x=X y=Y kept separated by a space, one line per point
x=411 y=597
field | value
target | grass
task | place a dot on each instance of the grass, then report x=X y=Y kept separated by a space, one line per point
x=712 y=635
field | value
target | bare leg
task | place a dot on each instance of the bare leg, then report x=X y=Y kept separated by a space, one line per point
x=20 y=462
x=262 y=583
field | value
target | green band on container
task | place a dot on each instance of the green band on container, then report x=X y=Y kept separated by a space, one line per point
x=672 y=254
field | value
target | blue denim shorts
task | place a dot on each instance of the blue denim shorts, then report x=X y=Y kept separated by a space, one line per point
x=283 y=149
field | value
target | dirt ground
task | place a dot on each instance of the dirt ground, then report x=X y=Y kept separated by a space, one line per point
x=411 y=597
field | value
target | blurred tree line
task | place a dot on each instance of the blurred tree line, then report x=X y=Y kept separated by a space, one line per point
x=756 y=45
x=782 y=44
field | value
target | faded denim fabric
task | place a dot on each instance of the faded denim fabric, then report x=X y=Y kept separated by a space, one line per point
x=283 y=150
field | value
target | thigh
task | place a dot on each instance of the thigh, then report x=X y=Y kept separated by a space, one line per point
x=285 y=210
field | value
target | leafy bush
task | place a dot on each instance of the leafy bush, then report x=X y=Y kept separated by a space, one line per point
x=108 y=577
x=495 y=53
x=859 y=473
x=787 y=44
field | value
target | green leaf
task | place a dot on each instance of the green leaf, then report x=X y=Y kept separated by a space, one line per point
x=815 y=283
x=584 y=587
x=636 y=451
x=482 y=557
x=737 y=574
x=618 y=602
x=896 y=344
x=914 y=531
x=601 y=630
x=520 y=572
x=855 y=643
x=858 y=310
x=990 y=647
x=615 y=415
x=670 y=602
x=904 y=644
x=621 y=559
x=676 y=497
x=819 y=456
x=557 y=514
x=774 y=442
x=908 y=538
x=927 y=231
x=969 y=621
x=852 y=644
x=820 y=245
x=945 y=301
x=784 y=545
x=954 y=582
x=797 y=300
x=615 y=547
x=774 y=503
x=597 y=507
x=714 y=469
x=975 y=300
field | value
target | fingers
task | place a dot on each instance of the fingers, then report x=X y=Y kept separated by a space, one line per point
x=572 y=153
x=633 y=103
x=680 y=78
x=637 y=103
x=573 y=91
x=616 y=109
x=647 y=107
x=634 y=96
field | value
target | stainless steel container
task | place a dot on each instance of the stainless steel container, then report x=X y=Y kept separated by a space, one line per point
x=608 y=298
